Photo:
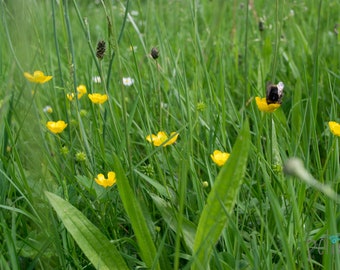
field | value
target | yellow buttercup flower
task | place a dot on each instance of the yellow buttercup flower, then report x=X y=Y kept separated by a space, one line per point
x=81 y=89
x=162 y=137
x=334 y=127
x=219 y=157
x=37 y=77
x=56 y=127
x=106 y=182
x=98 y=98
x=70 y=96
x=264 y=106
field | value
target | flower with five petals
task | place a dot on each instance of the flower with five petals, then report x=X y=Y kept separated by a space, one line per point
x=98 y=98
x=263 y=106
x=81 y=89
x=56 y=127
x=128 y=81
x=106 y=182
x=37 y=77
x=334 y=127
x=162 y=138
x=219 y=157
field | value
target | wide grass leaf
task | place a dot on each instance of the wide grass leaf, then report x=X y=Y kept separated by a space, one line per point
x=221 y=201
x=90 y=239
x=139 y=225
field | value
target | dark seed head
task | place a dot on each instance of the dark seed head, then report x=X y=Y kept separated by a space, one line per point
x=261 y=26
x=101 y=47
x=154 y=53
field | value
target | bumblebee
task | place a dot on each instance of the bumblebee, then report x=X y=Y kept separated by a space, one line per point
x=274 y=93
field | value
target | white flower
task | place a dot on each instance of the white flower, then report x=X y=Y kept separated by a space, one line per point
x=128 y=81
x=48 y=109
x=134 y=12
x=96 y=79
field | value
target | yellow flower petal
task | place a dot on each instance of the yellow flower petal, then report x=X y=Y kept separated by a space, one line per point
x=219 y=157
x=264 y=107
x=81 y=89
x=98 y=98
x=334 y=127
x=106 y=182
x=37 y=77
x=151 y=138
x=173 y=136
x=56 y=127
x=161 y=137
x=70 y=96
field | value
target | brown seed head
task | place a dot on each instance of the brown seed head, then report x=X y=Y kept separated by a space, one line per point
x=101 y=47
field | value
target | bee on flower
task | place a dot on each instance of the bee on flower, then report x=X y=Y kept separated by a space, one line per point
x=273 y=99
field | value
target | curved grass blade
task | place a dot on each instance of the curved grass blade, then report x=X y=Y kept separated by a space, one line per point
x=92 y=242
x=221 y=201
x=132 y=207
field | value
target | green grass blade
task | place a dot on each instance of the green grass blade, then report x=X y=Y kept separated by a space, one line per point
x=221 y=200
x=138 y=222
x=188 y=229
x=92 y=242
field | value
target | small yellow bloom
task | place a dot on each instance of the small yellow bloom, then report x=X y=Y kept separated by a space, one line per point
x=70 y=96
x=219 y=157
x=264 y=107
x=162 y=137
x=37 y=77
x=56 y=127
x=334 y=127
x=81 y=89
x=106 y=182
x=98 y=98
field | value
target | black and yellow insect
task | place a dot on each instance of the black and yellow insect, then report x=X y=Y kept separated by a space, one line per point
x=274 y=93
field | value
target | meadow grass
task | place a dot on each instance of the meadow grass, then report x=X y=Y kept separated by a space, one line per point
x=172 y=207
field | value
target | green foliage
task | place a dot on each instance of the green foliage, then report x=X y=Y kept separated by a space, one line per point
x=221 y=200
x=99 y=250
x=138 y=223
x=172 y=207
